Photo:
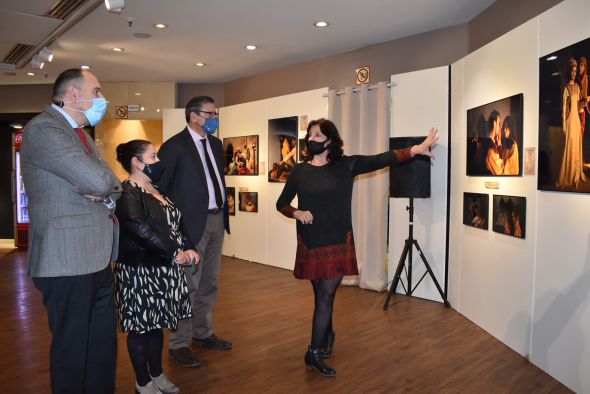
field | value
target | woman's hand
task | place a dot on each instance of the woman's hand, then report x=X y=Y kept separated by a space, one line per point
x=193 y=257
x=304 y=217
x=181 y=258
x=424 y=147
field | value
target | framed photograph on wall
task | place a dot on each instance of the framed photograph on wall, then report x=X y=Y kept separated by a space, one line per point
x=564 y=117
x=494 y=138
x=302 y=150
x=476 y=210
x=282 y=148
x=231 y=200
x=240 y=155
x=509 y=215
x=249 y=201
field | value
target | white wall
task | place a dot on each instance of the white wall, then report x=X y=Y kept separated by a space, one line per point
x=419 y=102
x=532 y=294
x=265 y=237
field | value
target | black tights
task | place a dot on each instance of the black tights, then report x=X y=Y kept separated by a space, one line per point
x=325 y=292
x=145 y=352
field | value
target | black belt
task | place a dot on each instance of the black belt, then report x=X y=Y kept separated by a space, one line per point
x=214 y=211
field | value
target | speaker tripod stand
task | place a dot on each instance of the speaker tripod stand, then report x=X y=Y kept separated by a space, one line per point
x=407 y=253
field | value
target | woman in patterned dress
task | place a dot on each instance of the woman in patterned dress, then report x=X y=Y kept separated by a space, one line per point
x=151 y=290
x=325 y=244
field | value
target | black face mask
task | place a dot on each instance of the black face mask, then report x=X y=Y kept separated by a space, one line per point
x=315 y=148
x=154 y=171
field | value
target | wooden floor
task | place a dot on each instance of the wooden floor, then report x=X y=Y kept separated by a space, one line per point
x=415 y=346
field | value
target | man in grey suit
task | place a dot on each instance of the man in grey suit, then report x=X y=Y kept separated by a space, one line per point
x=71 y=194
x=194 y=180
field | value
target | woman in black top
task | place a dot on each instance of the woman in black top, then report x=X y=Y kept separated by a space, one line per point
x=325 y=243
x=151 y=290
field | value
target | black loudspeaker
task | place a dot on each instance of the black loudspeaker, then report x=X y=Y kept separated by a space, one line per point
x=410 y=178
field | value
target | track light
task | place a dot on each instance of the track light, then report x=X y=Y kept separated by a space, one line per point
x=37 y=62
x=46 y=55
x=114 y=6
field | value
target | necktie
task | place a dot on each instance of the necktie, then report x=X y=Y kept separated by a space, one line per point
x=218 y=199
x=80 y=133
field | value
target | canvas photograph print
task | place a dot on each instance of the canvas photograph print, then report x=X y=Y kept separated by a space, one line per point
x=231 y=201
x=249 y=201
x=282 y=148
x=494 y=138
x=476 y=210
x=564 y=140
x=509 y=215
x=240 y=155
x=302 y=150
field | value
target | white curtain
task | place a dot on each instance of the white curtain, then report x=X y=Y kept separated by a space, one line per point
x=363 y=119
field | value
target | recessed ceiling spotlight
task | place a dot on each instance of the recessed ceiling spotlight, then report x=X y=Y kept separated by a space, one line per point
x=30 y=73
x=321 y=24
x=200 y=64
x=157 y=109
x=137 y=93
x=142 y=109
x=116 y=49
x=160 y=25
x=251 y=47
x=85 y=67
x=142 y=35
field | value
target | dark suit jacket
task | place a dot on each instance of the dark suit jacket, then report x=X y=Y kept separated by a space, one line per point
x=184 y=180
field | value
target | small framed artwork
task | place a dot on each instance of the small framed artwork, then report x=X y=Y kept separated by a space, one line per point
x=564 y=120
x=509 y=215
x=476 y=210
x=249 y=201
x=231 y=201
x=302 y=150
x=240 y=155
x=282 y=148
x=494 y=138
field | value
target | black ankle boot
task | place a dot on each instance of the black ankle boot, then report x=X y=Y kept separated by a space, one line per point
x=314 y=360
x=328 y=345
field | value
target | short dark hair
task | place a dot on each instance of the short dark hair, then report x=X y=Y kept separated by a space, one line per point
x=494 y=115
x=194 y=105
x=71 y=76
x=329 y=129
x=128 y=150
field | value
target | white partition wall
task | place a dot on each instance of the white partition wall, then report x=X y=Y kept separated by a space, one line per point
x=265 y=237
x=533 y=294
x=419 y=102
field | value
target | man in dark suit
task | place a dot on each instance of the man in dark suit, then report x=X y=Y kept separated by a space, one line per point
x=71 y=193
x=193 y=178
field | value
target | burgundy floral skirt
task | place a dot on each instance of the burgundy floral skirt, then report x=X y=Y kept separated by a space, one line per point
x=326 y=262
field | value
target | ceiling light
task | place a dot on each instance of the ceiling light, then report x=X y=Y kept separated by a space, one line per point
x=321 y=24
x=200 y=64
x=142 y=109
x=137 y=93
x=160 y=25
x=30 y=73
x=250 y=47
x=115 y=6
x=36 y=62
x=157 y=109
x=116 y=49
x=85 y=67
x=46 y=55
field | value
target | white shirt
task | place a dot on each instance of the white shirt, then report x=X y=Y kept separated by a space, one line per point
x=70 y=120
x=197 y=140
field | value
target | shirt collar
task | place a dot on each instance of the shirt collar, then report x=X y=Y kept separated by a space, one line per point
x=70 y=120
x=194 y=134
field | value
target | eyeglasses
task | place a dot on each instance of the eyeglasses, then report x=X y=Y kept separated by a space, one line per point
x=210 y=114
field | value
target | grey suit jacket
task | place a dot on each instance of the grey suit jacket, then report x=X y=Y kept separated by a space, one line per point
x=68 y=233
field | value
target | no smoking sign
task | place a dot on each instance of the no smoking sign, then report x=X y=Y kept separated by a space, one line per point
x=363 y=75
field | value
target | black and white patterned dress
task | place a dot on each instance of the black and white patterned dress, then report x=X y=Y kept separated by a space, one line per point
x=150 y=297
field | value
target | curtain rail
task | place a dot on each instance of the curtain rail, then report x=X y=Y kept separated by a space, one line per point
x=355 y=90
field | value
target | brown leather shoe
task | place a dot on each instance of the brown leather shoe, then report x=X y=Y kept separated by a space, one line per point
x=184 y=357
x=213 y=342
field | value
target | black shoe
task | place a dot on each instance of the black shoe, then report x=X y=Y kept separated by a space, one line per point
x=184 y=357
x=314 y=360
x=213 y=342
x=328 y=345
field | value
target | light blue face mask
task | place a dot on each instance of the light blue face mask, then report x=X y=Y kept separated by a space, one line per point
x=211 y=125
x=96 y=112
